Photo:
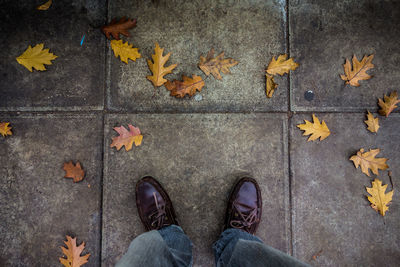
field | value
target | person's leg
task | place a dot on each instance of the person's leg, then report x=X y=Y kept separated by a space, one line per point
x=165 y=244
x=237 y=245
x=168 y=246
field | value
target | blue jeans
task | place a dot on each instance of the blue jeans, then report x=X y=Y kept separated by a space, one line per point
x=170 y=246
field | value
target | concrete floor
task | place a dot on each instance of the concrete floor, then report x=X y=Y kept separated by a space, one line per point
x=314 y=199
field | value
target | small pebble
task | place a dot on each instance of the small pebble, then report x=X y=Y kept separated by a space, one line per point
x=198 y=97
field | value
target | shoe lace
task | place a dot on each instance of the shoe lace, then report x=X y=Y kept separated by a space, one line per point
x=246 y=220
x=157 y=217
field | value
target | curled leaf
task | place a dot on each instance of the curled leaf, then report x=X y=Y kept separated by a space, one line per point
x=74 y=171
x=270 y=85
x=116 y=28
x=373 y=123
x=388 y=104
x=45 y=6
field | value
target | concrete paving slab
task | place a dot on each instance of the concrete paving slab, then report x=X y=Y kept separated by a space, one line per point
x=249 y=31
x=75 y=80
x=324 y=33
x=38 y=207
x=197 y=158
x=331 y=213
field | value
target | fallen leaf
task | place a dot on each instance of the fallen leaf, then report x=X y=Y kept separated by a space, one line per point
x=367 y=161
x=73 y=253
x=358 y=73
x=211 y=65
x=36 y=57
x=316 y=129
x=45 y=6
x=270 y=85
x=124 y=50
x=4 y=129
x=389 y=103
x=188 y=86
x=74 y=171
x=127 y=138
x=116 y=28
x=373 y=123
x=281 y=65
x=379 y=199
x=157 y=68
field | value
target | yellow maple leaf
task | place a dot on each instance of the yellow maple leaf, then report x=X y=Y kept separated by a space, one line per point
x=379 y=199
x=281 y=65
x=73 y=253
x=4 y=129
x=389 y=104
x=36 y=57
x=124 y=50
x=45 y=6
x=316 y=129
x=157 y=68
x=367 y=161
x=127 y=138
x=210 y=65
x=373 y=123
x=188 y=86
x=270 y=85
x=352 y=76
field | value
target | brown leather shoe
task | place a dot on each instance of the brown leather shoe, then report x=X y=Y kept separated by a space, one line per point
x=244 y=206
x=154 y=206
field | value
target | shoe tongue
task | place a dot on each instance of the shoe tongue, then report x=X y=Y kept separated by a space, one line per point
x=246 y=199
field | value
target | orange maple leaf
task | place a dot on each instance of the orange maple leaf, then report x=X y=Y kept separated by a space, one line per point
x=73 y=253
x=127 y=138
x=352 y=76
x=389 y=104
x=4 y=129
x=187 y=86
x=74 y=171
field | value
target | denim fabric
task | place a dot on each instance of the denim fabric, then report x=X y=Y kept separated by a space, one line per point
x=164 y=248
x=237 y=248
x=170 y=246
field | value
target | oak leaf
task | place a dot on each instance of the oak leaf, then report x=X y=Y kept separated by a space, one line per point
x=187 y=86
x=124 y=50
x=36 y=57
x=73 y=253
x=157 y=68
x=4 y=129
x=379 y=199
x=316 y=129
x=368 y=161
x=45 y=6
x=388 y=104
x=127 y=138
x=372 y=123
x=116 y=28
x=74 y=171
x=281 y=65
x=352 y=76
x=270 y=85
x=210 y=65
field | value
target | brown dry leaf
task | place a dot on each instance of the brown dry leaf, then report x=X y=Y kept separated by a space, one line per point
x=127 y=138
x=379 y=199
x=116 y=28
x=281 y=65
x=373 y=123
x=74 y=171
x=389 y=104
x=270 y=85
x=157 y=68
x=358 y=73
x=4 y=129
x=367 y=161
x=316 y=129
x=186 y=87
x=211 y=65
x=73 y=253
x=45 y=6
